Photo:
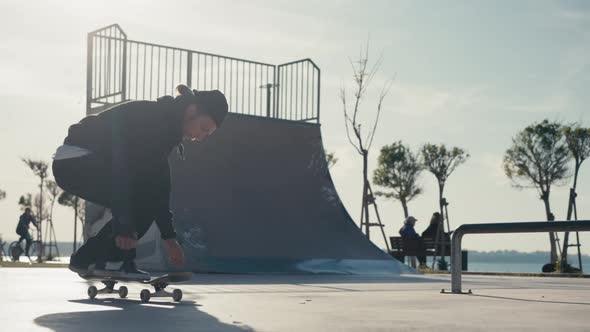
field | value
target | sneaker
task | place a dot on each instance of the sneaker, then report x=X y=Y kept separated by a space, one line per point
x=97 y=268
x=126 y=270
x=130 y=270
x=78 y=267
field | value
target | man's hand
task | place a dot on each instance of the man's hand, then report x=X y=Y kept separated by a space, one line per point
x=175 y=252
x=126 y=242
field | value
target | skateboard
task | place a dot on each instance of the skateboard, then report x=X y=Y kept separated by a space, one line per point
x=159 y=283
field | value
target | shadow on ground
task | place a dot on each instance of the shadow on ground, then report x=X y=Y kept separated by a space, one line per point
x=299 y=279
x=132 y=315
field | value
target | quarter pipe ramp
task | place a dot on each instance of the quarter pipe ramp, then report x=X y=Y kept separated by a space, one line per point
x=257 y=197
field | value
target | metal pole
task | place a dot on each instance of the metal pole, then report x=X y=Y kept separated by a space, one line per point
x=75 y=222
x=143 y=74
x=42 y=251
x=172 y=83
x=456 y=261
x=277 y=79
x=124 y=94
x=365 y=206
x=151 y=72
x=318 y=107
x=256 y=90
x=137 y=71
x=89 y=64
x=189 y=69
x=578 y=238
x=159 y=70
x=268 y=87
x=250 y=88
x=579 y=253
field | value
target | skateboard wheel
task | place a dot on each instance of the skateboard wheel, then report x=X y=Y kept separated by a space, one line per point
x=92 y=291
x=177 y=295
x=145 y=295
x=123 y=291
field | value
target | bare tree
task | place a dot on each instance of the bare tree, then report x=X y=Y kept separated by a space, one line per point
x=538 y=159
x=398 y=170
x=578 y=142
x=54 y=191
x=363 y=74
x=39 y=168
x=76 y=203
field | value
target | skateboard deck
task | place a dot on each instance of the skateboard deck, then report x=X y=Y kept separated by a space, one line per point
x=158 y=283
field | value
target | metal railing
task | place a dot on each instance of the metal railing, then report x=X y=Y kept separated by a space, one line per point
x=298 y=91
x=497 y=228
x=120 y=69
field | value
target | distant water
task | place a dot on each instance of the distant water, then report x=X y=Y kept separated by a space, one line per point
x=497 y=261
x=515 y=267
x=514 y=262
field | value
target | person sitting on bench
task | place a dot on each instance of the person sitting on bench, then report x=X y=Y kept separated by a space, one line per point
x=411 y=238
x=432 y=229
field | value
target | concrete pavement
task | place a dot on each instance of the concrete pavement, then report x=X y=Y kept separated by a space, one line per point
x=39 y=299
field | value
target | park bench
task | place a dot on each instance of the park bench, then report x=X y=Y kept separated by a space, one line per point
x=401 y=248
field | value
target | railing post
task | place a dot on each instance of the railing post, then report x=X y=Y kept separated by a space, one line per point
x=318 y=106
x=268 y=89
x=276 y=89
x=456 y=259
x=189 y=69
x=89 y=64
x=124 y=72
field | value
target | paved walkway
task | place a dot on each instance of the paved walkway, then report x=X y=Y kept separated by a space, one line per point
x=55 y=300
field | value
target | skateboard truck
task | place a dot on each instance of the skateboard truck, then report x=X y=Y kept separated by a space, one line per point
x=108 y=289
x=160 y=291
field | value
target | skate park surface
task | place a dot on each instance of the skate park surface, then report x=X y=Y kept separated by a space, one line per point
x=40 y=299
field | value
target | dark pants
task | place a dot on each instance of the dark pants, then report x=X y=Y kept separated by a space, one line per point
x=422 y=248
x=94 y=180
x=24 y=235
x=416 y=245
x=422 y=260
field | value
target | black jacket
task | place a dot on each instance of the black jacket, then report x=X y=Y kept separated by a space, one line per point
x=136 y=138
x=430 y=231
x=23 y=223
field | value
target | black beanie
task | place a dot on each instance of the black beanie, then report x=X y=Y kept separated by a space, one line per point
x=212 y=103
x=184 y=97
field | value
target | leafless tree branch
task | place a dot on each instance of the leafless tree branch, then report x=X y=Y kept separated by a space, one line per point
x=347 y=119
x=382 y=95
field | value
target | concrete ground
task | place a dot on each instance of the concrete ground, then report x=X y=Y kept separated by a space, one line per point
x=55 y=300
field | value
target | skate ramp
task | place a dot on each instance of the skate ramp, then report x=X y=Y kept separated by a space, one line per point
x=257 y=197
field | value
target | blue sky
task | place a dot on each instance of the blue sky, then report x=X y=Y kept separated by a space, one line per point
x=467 y=73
